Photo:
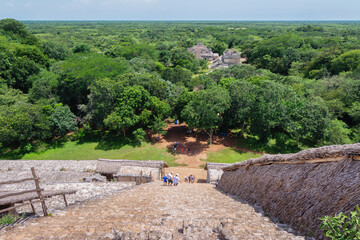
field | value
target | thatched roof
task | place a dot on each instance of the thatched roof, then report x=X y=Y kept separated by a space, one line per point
x=213 y=165
x=315 y=155
x=108 y=166
x=31 y=196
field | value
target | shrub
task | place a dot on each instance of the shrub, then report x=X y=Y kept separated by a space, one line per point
x=139 y=135
x=7 y=219
x=342 y=226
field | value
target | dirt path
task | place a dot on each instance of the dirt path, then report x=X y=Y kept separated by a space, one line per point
x=198 y=144
x=153 y=211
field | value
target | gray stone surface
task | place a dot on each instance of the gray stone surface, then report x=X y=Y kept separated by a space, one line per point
x=58 y=175
x=95 y=178
x=153 y=211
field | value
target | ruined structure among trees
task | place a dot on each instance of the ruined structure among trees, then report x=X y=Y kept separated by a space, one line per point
x=202 y=52
x=231 y=57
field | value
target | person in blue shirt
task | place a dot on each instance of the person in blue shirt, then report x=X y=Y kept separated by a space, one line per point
x=165 y=180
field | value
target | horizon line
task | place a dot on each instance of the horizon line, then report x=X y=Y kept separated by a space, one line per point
x=199 y=20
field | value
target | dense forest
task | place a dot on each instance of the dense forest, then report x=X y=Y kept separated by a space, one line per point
x=299 y=88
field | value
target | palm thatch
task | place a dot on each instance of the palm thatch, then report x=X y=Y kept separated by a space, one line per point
x=108 y=166
x=299 y=188
x=217 y=166
x=331 y=153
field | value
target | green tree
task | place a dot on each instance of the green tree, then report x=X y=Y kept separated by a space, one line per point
x=80 y=71
x=63 y=120
x=177 y=75
x=243 y=96
x=205 y=110
x=22 y=123
x=101 y=100
x=81 y=48
x=44 y=86
x=337 y=133
x=354 y=112
x=347 y=61
x=55 y=51
x=132 y=108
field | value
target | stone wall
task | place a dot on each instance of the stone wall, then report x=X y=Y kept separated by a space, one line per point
x=214 y=171
x=51 y=171
x=298 y=194
x=232 y=61
x=131 y=170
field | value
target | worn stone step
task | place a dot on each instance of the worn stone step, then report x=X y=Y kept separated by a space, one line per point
x=154 y=211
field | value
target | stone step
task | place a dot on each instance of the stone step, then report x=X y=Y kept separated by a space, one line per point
x=154 y=211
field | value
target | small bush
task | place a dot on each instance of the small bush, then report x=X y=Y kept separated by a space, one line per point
x=341 y=226
x=62 y=169
x=7 y=219
x=139 y=135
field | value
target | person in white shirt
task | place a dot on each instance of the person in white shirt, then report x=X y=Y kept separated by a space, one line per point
x=176 y=180
x=170 y=179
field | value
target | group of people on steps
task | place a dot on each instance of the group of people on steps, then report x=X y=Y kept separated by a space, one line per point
x=170 y=179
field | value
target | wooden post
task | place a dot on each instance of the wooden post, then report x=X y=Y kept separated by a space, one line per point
x=66 y=204
x=39 y=191
x=32 y=207
x=141 y=176
x=151 y=177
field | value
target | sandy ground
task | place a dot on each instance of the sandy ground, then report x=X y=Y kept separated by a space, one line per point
x=198 y=144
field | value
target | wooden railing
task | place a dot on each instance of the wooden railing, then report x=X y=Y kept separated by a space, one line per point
x=37 y=189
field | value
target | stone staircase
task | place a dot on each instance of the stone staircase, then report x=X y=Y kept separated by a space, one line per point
x=154 y=211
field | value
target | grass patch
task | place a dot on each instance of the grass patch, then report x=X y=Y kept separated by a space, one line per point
x=98 y=149
x=7 y=219
x=279 y=144
x=230 y=155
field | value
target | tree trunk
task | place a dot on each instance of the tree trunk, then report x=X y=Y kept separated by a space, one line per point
x=242 y=130
x=123 y=130
x=297 y=139
x=211 y=136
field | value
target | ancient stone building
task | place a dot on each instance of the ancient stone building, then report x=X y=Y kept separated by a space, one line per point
x=231 y=57
x=202 y=52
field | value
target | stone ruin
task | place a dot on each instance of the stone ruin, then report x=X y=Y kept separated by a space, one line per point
x=126 y=170
x=202 y=52
x=214 y=171
x=230 y=56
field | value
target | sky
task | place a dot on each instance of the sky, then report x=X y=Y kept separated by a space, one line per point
x=180 y=9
